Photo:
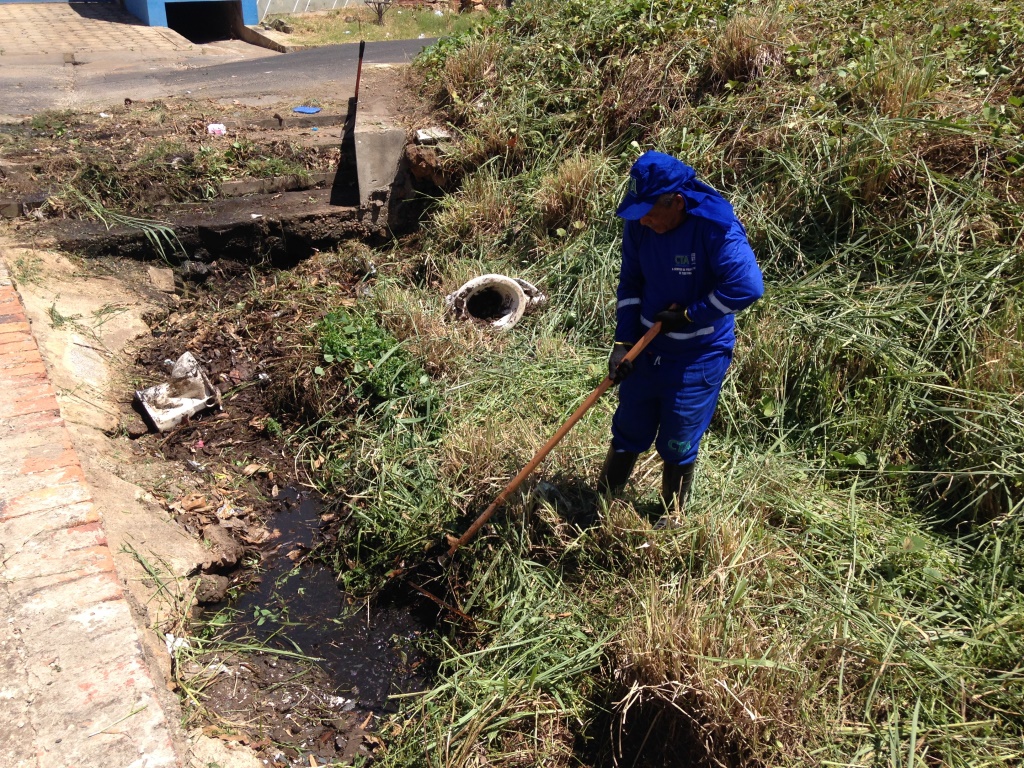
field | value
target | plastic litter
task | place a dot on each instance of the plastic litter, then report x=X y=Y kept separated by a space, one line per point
x=494 y=300
x=306 y=110
x=188 y=392
x=216 y=129
x=104 y=114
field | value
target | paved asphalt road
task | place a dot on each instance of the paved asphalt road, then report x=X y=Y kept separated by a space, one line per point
x=28 y=86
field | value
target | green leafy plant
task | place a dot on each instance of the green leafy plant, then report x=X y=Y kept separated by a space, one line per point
x=160 y=234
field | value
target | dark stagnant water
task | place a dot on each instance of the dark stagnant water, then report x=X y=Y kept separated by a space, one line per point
x=369 y=650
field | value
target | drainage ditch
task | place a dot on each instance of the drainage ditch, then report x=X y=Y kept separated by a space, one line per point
x=283 y=659
x=308 y=669
x=276 y=656
x=293 y=602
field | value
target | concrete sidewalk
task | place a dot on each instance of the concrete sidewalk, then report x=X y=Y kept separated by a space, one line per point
x=62 y=28
x=75 y=689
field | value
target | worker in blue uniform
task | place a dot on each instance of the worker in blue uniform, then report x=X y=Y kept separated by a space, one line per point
x=686 y=263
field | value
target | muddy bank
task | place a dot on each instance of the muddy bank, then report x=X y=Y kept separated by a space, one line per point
x=280 y=229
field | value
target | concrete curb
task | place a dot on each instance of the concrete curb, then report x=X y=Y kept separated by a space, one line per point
x=258 y=36
x=73 y=678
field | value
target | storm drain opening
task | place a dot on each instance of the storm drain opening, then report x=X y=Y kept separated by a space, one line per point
x=488 y=304
x=494 y=300
x=203 y=22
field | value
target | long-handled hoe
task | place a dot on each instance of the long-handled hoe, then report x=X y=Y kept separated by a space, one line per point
x=606 y=383
x=455 y=543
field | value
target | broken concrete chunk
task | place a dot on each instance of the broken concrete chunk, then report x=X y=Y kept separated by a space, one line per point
x=162 y=279
x=431 y=136
x=225 y=552
x=187 y=393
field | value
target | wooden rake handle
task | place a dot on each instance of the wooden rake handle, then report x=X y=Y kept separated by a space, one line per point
x=549 y=445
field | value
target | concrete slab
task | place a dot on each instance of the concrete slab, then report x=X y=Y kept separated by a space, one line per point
x=379 y=148
x=75 y=685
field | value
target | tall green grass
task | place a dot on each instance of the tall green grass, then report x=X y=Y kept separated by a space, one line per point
x=844 y=588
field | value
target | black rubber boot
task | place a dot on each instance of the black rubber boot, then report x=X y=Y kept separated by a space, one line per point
x=675 y=485
x=618 y=466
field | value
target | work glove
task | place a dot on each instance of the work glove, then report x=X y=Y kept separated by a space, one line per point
x=618 y=367
x=673 y=320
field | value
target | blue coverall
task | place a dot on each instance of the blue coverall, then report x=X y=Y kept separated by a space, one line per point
x=706 y=265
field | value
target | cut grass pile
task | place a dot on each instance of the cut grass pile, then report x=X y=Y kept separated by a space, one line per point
x=844 y=588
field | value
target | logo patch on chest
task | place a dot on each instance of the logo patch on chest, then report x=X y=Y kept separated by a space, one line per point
x=685 y=264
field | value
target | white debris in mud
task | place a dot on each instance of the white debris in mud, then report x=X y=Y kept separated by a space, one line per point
x=175 y=643
x=225 y=511
x=340 y=702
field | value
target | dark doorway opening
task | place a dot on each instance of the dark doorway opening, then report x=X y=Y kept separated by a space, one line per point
x=204 y=22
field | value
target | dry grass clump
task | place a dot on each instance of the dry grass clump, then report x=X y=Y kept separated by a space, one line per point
x=893 y=82
x=569 y=196
x=526 y=733
x=467 y=74
x=786 y=625
x=643 y=89
x=482 y=457
x=999 y=363
x=441 y=346
x=482 y=209
x=703 y=650
x=748 y=47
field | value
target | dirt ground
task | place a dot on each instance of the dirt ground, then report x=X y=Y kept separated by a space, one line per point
x=140 y=155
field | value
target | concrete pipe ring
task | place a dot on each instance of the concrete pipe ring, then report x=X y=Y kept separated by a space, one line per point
x=493 y=300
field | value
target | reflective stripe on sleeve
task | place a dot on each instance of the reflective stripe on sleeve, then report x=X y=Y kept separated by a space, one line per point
x=700 y=332
x=627 y=303
x=719 y=305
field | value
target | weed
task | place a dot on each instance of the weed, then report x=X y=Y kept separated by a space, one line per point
x=891 y=80
x=53 y=124
x=567 y=198
x=106 y=313
x=27 y=269
x=160 y=235
x=749 y=46
x=273 y=427
x=58 y=319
